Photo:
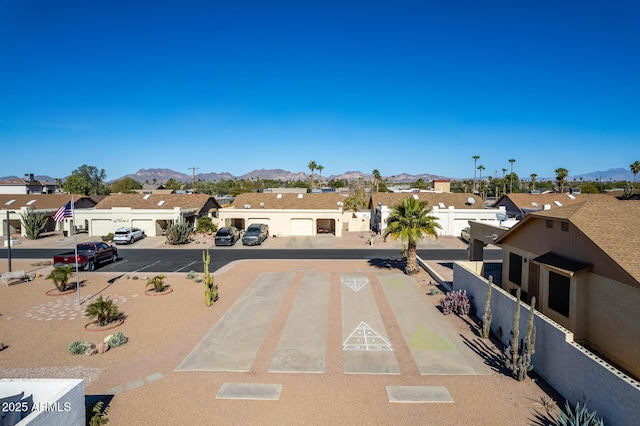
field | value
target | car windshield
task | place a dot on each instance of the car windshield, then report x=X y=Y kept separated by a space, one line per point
x=253 y=231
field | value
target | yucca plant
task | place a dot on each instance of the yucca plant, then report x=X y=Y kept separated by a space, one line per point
x=103 y=311
x=579 y=416
x=157 y=282
x=60 y=276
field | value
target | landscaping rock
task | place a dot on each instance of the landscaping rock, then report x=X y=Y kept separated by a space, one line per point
x=102 y=347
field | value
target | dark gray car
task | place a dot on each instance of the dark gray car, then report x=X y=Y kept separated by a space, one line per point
x=255 y=234
x=227 y=236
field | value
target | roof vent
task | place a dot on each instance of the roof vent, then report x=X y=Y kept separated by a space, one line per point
x=261 y=205
x=8 y=203
x=415 y=197
x=471 y=200
x=31 y=202
x=247 y=206
x=557 y=203
x=546 y=207
x=146 y=196
x=340 y=204
x=299 y=195
x=161 y=202
x=571 y=197
x=534 y=204
x=279 y=196
x=441 y=205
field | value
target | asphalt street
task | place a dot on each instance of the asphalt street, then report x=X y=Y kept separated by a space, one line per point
x=166 y=260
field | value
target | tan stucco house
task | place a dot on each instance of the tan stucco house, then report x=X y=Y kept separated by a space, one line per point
x=582 y=263
x=26 y=185
x=520 y=204
x=288 y=214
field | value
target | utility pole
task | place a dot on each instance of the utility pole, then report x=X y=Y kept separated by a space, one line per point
x=193 y=179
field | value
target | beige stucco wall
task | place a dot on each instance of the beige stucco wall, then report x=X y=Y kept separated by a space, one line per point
x=281 y=221
x=103 y=221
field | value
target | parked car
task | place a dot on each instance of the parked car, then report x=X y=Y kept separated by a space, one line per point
x=465 y=235
x=89 y=256
x=128 y=235
x=227 y=236
x=256 y=233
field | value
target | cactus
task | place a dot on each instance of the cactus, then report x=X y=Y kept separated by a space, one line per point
x=517 y=359
x=116 y=339
x=210 y=289
x=34 y=223
x=486 y=317
x=178 y=233
x=455 y=302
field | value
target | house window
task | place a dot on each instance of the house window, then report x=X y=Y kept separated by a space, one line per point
x=564 y=226
x=515 y=268
x=549 y=224
x=559 y=286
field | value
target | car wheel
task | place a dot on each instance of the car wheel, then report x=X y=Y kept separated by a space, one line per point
x=114 y=259
x=91 y=266
x=131 y=240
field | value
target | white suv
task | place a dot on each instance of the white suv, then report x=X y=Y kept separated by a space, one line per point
x=127 y=235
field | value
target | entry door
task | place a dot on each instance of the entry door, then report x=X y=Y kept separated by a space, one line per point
x=534 y=280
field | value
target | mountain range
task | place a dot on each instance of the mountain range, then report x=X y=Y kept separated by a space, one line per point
x=163 y=175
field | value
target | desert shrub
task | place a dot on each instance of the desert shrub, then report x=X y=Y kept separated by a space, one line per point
x=78 y=347
x=578 y=416
x=198 y=280
x=33 y=223
x=204 y=225
x=96 y=414
x=191 y=275
x=116 y=339
x=157 y=283
x=108 y=237
x=455 y=302
x=103 y=311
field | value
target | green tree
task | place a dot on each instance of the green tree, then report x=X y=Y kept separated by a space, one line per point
x=356 y=201
x=533 y=181
x=475 y=161
x=561 y=177
x=511 y=160
x=173 y=184
x=76 y=184
x=635 y=169
x=126 y=185
x=410 y=221
x=103 y=310
x=589 y=188
x=312 y=166
x=60 y=276
x=320 y=168
x=377 y=177
x=420 y=184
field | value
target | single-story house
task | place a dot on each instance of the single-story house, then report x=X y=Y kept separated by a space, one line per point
x=519 y=205
x=26 y=185
x=453 y=210
x=582 y=263
x=288 y=214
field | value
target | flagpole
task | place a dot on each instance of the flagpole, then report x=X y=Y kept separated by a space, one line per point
x=75 y=246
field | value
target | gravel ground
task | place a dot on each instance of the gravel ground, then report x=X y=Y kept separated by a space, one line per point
x=163 y=330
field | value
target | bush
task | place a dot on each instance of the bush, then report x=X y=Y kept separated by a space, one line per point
x=157 y=283
x=204 y=225
x=578 y=416
x=116 y=339
x=191 y=275
x=108 y=237
x=103 y=310
x=60 y=276
x=78 y=347
x=455 y=302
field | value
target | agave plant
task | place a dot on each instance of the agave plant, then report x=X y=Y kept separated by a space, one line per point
x=103 y=311
x=157 y=282
x=578 y=416
x=60 y=276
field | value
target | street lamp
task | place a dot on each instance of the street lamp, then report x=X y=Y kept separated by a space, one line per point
x=9 y=239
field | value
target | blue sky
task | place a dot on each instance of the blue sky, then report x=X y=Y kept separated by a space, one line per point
x=415 y=87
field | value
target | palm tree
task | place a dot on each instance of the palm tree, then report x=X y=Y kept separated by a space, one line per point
x=475 y=159
x=635 y=169
x=319 y=168
x=60 y=276
x=312 y=166
x=377 y=177
x=481 y=168
x=157 y=283
x=561 y=177
x=533 y=181
x=410 y=221
x=511 y=160
x=103 y=310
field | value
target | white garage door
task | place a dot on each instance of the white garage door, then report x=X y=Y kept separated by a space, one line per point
x=148 y=226
x=101 y=227
x=301 y=227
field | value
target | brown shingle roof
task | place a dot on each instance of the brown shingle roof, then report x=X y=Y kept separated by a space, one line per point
x=613 y=226
x=42 y=201
x=525 y=201
x=159 y=201
x=323 y=201
x=457 y=200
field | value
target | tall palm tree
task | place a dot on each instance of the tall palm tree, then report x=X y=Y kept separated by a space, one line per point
x=635 y=169
x=377 y=177
x=312 y=166
x=533 y=181
x=511 y=160
x=410 y=221
x=319 y=168
x=504 y=181
x=481 y=168
x=475 y=160
x=561 y=177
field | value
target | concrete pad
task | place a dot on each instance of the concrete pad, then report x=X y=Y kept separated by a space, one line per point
x=134 y=384
x=435 y=346
x=154 y=377
x=419 y=394
x=233 y=343
x=303 y=342
x=259 y=391
x=366 y=348
x=115 y=390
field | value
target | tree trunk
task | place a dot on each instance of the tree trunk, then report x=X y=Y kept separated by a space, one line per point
x=412 y=262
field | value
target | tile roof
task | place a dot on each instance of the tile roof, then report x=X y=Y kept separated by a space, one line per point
x=322 y=201
x=42 y=201
x=613 y=226
x=158 y=201
x=457 y=200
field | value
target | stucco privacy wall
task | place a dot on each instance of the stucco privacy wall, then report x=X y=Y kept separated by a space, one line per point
x=58 y=401
x=565 y=365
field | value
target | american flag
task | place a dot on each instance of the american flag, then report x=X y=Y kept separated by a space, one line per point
x=64 y=211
